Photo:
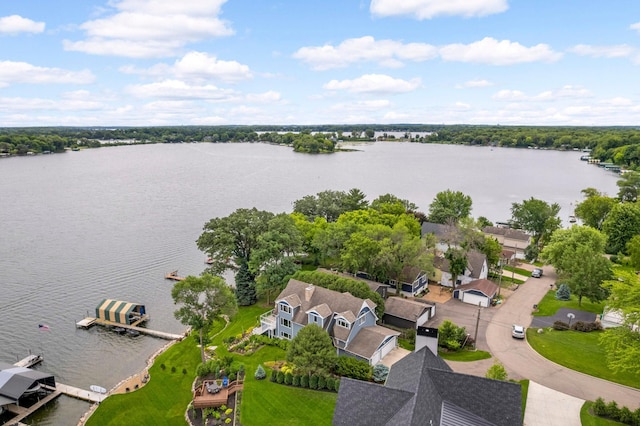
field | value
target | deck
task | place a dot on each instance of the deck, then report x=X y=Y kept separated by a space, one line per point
x=204 y=399
x=173 y=275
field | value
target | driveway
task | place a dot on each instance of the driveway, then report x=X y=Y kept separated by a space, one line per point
x=546 y=407
x=561 y=315
x=521 y=361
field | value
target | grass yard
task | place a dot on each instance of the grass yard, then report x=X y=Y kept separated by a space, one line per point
x=163 y=400
x=525 y=391
x=588 y=419
x=463 y=356
x=578 y=351
x=549 y=305
x=519 y=271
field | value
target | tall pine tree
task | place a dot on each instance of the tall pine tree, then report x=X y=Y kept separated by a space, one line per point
x=245 y=286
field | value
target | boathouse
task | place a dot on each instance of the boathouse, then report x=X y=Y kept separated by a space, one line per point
x=17 y=383
x=120 y=312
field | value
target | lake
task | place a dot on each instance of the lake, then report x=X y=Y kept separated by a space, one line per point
x=103 y=223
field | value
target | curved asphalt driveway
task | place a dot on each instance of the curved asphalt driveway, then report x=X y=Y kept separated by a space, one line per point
x=521 y=360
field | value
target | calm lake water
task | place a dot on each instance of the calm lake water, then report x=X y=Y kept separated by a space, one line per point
x=109 y=223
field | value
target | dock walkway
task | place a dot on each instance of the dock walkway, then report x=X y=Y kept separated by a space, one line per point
x=156 y=333
x=173 y=275
x=22 y=412
x=83 y=394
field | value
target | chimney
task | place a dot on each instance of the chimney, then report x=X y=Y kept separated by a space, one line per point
x=308 y=292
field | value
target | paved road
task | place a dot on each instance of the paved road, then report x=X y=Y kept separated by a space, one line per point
x=521 y=361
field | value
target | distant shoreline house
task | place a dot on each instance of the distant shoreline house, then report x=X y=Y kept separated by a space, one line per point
x=421 y=389
x=349 y=320
x=513 y=240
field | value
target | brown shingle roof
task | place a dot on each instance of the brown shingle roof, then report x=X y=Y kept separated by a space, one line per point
x=475 y=261
x=405 y=308
x=489 y=288
x=515 y=234
x=369 y=339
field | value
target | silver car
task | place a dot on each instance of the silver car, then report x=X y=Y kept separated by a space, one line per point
x=517 y=332
x=536 y=273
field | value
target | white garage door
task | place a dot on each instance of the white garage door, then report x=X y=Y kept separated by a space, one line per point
x=382 y=352
x=474 y=299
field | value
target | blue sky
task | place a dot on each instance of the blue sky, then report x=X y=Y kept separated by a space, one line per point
x=217 y=62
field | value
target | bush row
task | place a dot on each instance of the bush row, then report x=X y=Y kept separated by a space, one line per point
x=315 y=381
x=584 y=326
x=266 y=340
x=613 y=412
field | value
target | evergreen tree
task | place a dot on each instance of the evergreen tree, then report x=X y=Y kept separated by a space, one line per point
x=563 y=292
x=245 y=287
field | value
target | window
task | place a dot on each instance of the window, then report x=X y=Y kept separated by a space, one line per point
x=343 y=323
x=285 y=322
x=285 y=335
x=362 y=319
x=285 y=308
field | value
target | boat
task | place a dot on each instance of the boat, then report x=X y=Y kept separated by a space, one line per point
x=35 y=387
x=572 y=219
x=133 y=333
x=119 y=330
x=98 y=389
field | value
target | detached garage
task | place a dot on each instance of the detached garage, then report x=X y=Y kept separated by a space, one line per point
x=477 y=292
x=407 y=313
x=120 y=312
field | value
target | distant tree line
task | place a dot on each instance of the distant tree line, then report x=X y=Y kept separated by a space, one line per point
x=618 y=145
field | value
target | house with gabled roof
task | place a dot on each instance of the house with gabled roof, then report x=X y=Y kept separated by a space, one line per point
x=407 y=313
x=349 y=320
x=477 y=269
x=421 y=389
x=477 y=292
x=510 y=239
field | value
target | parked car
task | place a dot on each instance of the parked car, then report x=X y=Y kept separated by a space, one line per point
x=517 y=331
x=536 y=273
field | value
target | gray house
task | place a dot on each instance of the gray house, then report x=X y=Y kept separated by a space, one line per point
x=477 y=269
x=349 y=320
x=421 y=389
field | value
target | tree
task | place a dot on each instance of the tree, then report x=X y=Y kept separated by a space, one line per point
x=629 y=184
x=449 y=207
x=594 y=210
x=633 y=249
x=311 y=351
x=563 y=292
x=457 y=263
x=378 y=203
x=330 y=204
x=483 y=222
x=246 y=294
x=203 y=299
x=536 y=217
x=578 y=256
x=622 y=224
x=497 y=372
x=260 y=373
x=450 y=336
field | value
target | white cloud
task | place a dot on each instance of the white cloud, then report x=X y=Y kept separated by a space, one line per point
x=493 y=52
x=427 y=9
x=387 y=53
x=151 y=28
x=176 y=89
x=22 y=72
x=39 y=104
x=374 y=83
x=196 y=66
x=370 y=105
x=566 y=92
x=635 y=26
x=15 y=24
x=615 y=51
x=474 y=83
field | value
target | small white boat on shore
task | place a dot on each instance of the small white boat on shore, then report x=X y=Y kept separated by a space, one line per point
x=98 y=389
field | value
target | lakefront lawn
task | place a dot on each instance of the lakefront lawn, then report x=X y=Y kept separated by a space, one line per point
x=578 y=351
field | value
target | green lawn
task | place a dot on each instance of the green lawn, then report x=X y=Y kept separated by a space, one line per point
x=578 y=351
x=465 y=355
x=520 y=271
x=163 y=400
x=525 y=392
x=588 y=419
x=548 y=306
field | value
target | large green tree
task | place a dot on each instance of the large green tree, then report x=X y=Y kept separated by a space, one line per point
x=629 y=184
x=578 y=256
x=330 y=204
x=449 y=207
x=457 y=263
x=621 y=224
x=594 y=209
x=622 y=345
x=311 y=351
x=202 y=299
x=537 y=217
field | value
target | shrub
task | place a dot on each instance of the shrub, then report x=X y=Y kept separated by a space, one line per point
x=313 y=382
x=260 y=373
x=560 y=325
x=614 y=258
x=353 y=368
x=296 y=380
x=585 y=326
x=228 y=411
x=337 y=385
x=331 y=383
x=380 y=373
x=227 y=420
x=613 y=411
x=599 y=407
x=184 y=371
x=280 y=377
x=173 y=369
x=322 y=382
x=274 y=375
x=496 y=372
x=450 y=336
x=563 y=292
x=625 y=416
x=304 y=381
x=202 y=370
x=163 y=366
x=288 y=378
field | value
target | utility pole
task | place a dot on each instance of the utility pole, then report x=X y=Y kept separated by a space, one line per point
x=475 y=336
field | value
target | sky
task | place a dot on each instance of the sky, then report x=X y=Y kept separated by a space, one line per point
x=303 y=62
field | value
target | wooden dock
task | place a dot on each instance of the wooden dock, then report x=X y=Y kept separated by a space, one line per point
x=29 y=361
x=173 y=275
x=22 y=412
x=133 y=326
x=83 y=394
